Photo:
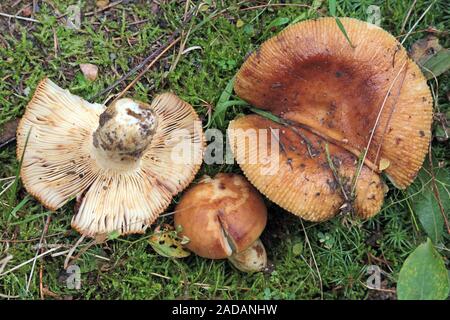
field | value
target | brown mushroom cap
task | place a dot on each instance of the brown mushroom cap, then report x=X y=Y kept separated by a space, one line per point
x=67 y=156
x=303 y=182
x=310 y=74
x=221 y=216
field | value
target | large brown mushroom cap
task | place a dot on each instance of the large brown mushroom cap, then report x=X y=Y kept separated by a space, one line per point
x=221 y=216
x=310 y=74
x=302 y=181
x=67 y=156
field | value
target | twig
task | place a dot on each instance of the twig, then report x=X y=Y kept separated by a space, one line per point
x=28 y=261
x=83 y=250
x=417 y=22
x=71 y=251
x=151 y=57
x=378 y=289
x=103 y=9
x=18 y=17
x=312 y=151
x=336 y=174
x=201 y=285
x=314 y=258
x=407 y=16
x=41 y=285
x=366 y=150
x=278 y=5
x=4 y=262
x=5 y=296
x=39 y=249
x=31 y=240
x=132 y=83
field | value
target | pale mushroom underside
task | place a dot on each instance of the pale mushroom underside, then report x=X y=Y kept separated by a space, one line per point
x=59 y=165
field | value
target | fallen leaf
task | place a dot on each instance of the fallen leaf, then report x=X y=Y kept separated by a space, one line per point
x=166 y=243
x=423 y=49
x=384 y=164
x=90 y=71
x=8 y=132
x=437 y=65
x=423 y=199
x=423 y=276
x=431 y=56
x=442 y=126
x=101 y=4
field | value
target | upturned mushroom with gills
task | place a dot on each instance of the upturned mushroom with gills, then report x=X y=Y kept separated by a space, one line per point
x=123 y=163
x=223 y=217
x=368 y=102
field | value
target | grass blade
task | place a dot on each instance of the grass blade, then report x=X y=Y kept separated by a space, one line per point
x=15 y=185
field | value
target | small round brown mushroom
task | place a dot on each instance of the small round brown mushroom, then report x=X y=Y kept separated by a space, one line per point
x=223 y=218
x=368 y=101
x=123 y=163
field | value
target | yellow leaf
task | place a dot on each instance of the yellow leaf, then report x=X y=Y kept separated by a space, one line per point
x=167 y=244
x=384 y=164
x=239 y=23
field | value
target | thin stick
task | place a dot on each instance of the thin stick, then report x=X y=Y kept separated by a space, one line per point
x=314 y=258
x=417 y=22
x=103 y=9
x=18 y=17
x=4 y=262
x=201 y=285
x=366 y=150
x=132 y=83
x=28 y=261
x=278 y=5
x=5 y=296
x=71 y=251
x=44 y=231
x=151 y=57
x=407 y=16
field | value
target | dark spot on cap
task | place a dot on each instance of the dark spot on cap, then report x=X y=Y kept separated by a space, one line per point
x=104 y=117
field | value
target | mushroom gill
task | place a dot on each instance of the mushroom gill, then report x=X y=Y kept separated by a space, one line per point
x=123 y=162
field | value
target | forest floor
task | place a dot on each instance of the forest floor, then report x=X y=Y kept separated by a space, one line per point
x=329 y=260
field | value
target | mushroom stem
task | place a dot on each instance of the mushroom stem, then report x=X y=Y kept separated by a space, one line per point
x=252 y=259
x=125 y=130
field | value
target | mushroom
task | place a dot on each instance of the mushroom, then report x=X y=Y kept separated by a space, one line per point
x=369 y=96
x=223 y=217
x=123 y=162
